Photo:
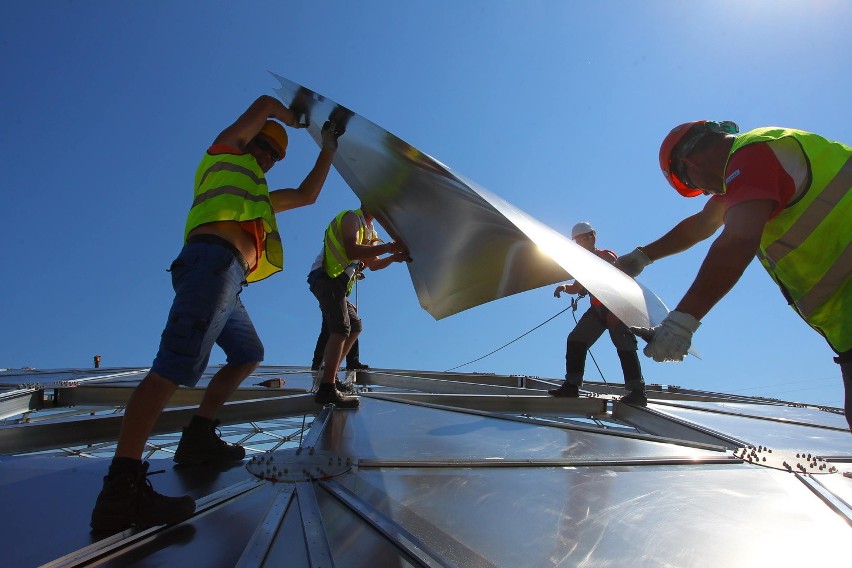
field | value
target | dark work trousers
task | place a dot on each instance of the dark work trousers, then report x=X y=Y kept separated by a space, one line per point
x=352 y=358
x=591 y=326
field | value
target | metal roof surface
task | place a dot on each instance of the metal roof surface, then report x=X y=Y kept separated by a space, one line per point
x=435 y=469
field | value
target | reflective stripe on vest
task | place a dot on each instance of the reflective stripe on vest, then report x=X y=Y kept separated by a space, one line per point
x=335 y=260
x=232 y=187
x=805 y=248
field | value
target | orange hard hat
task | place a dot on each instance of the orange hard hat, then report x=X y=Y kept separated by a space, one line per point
x=276 y=134
x=669 y=144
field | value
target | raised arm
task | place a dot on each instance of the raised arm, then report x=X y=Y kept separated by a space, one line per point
x=309 y=189
x=573 y=288
x=246 y=127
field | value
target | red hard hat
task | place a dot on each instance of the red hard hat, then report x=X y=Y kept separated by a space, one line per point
x=668 y=145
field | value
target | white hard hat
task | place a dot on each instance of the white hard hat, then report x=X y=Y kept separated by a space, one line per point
x=581 y=228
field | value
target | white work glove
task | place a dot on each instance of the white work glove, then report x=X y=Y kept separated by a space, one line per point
x=670 y=340
x=633 y=262
x=330 y=134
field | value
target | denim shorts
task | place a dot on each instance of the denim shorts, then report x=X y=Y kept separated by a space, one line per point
x=338 y=313
x=207 y=279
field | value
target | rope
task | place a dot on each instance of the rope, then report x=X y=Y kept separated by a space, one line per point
x=511 y=342
x=572 y=307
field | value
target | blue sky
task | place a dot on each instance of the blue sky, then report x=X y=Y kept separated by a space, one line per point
x=559 y=107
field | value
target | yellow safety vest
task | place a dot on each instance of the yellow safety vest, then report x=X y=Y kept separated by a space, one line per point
x=805 y=248
x=232 y=187
x=335 y=260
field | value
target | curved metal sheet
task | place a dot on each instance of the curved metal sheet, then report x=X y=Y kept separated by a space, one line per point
x=468 y=246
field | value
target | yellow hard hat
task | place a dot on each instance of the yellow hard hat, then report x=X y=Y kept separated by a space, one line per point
x=275 y=133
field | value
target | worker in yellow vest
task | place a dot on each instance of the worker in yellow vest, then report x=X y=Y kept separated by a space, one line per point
x=231 y=239
x=349 y=239
x=783 y=196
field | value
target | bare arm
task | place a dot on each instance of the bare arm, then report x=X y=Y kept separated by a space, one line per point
x=246 y=127
x=574 y=288
x=728 y=257
x=308 y=190
x=379 y=263
x=366 y=253
x=688 y=232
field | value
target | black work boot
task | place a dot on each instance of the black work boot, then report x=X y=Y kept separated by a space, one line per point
x=128 y=500
x=565 y=390
x=200 y=443
x=356 y=366
x=328 y=394
x=635 y=397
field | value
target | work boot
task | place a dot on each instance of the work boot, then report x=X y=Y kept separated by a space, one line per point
x=565 y=390
x=345 y=388
x=128 y=500
x=201 y=443
x=635 y=397
x=328 y=394
x=356 y=366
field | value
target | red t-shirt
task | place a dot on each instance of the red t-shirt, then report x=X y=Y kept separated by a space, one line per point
x=755 y=172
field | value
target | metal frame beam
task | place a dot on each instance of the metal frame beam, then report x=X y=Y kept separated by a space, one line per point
x=410 y=382
x=19 y=401
x=118 y=395
x=20 y=438
x=259 y=545
x=657 y=423
x=515 y=404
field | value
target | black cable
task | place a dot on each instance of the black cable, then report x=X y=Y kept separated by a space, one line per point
x=511 y=342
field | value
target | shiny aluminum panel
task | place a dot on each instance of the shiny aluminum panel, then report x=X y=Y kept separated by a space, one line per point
x=779 y=411
x=468 y=246
x=689 y=516
x=383 y=429
x=354 y=543
x=778 y=435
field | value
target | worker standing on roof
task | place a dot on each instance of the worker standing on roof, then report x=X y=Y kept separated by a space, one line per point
x=231 y=238
x=782 y=195
x=591 y=326
x=349 y=239
x=353 y=357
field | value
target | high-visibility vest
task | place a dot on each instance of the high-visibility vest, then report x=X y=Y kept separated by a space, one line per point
x=232 y=187
x=805 y=248
x=335 y=260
